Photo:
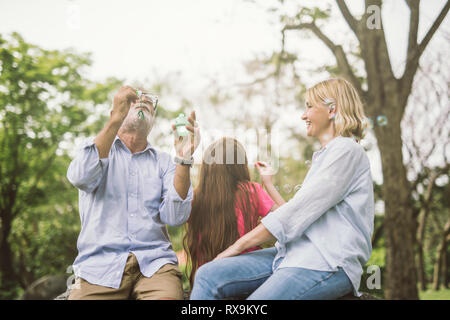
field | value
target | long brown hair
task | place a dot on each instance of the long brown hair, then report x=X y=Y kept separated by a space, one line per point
x=223 y=184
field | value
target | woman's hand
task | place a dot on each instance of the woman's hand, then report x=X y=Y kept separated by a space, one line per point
x=265 y=171
x=231 y=251
x=257 y=236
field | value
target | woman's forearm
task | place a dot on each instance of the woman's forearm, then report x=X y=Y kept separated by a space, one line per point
x=257 y=236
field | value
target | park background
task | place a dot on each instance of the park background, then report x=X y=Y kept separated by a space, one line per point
x=244 y=67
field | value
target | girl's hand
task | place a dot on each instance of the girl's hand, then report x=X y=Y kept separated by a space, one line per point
x=265 y=171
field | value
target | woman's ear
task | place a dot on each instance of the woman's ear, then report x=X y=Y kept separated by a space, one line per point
x=332 y=111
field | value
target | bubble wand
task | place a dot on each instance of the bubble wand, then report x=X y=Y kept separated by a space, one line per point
x=140 y=113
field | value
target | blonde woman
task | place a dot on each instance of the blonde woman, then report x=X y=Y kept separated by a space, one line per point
x=324 y=232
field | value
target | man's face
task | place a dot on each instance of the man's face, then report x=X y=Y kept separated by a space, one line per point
x=134 y=122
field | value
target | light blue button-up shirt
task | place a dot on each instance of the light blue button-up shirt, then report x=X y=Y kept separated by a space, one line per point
x=329 y=221
x=125 y=202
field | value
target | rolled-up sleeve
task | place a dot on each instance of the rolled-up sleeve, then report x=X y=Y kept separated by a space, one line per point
x=174 y=210
x=87 y=169
x=328 y=186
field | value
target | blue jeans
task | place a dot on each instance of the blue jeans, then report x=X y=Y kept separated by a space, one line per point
x=251 y=275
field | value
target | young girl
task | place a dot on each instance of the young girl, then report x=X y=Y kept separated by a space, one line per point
x=324 y=232
x=226 y=204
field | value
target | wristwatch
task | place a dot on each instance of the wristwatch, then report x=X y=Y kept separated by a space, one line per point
x=184 y=162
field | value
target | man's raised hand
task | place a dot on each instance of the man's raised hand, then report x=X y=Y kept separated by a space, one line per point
x=185 y=146
x=123 y=99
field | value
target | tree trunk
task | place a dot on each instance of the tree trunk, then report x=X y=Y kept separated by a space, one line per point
x=421 y=271
x=401 y=278
x=7 y=274
x=445 y=267
x=423 y=215
x=440 y=255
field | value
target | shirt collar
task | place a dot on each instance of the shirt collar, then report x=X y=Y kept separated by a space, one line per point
x=316 y=154
x=148 y=148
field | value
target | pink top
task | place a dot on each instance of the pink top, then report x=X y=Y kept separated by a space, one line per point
x=265 y=203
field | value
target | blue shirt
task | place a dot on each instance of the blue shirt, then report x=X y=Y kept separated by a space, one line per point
x=125 y=202
x=329 y=221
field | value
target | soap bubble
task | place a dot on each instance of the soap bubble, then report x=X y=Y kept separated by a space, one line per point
x=287 y=188
x=369 y=123
x=382 y=121
x=277 y=187
x=308 y=163
x=297 y=187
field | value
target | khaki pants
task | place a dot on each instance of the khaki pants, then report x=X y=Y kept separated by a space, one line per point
x=164 y=284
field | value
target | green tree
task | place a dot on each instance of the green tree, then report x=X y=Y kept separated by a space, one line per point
x=44 y=95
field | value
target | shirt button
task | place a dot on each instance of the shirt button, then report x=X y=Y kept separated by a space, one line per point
x=133 y=173
x=132 y=214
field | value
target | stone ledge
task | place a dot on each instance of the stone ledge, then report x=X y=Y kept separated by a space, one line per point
x=365 y=296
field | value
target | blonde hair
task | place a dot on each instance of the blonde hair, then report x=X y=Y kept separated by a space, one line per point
x=350 y=120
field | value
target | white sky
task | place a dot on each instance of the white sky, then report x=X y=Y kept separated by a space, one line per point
x=200 y=39
x=130 y=39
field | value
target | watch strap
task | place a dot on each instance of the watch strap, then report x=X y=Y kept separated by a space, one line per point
x=184 y=162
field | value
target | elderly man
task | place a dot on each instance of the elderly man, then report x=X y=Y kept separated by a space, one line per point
x=128 y=192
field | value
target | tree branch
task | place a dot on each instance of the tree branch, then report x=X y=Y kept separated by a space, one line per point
x=423 y=44
x=413 y=24
x=352 y=22
x=415 y=50
x=337 y=50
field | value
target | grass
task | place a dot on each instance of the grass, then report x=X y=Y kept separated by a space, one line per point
x=442 y=294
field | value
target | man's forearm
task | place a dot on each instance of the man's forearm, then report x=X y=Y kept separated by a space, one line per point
x=182 y=180
x=105 y=138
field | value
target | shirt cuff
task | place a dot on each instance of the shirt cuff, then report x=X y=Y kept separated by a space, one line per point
x=89 y=142
x=176 y=197
x=274 y=226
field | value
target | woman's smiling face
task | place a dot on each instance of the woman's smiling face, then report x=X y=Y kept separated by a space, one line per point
x=317 y=119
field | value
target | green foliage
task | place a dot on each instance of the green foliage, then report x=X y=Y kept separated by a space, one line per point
x=443 y=294
x=45 y=100
x=306 y=15
x=185 y=269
